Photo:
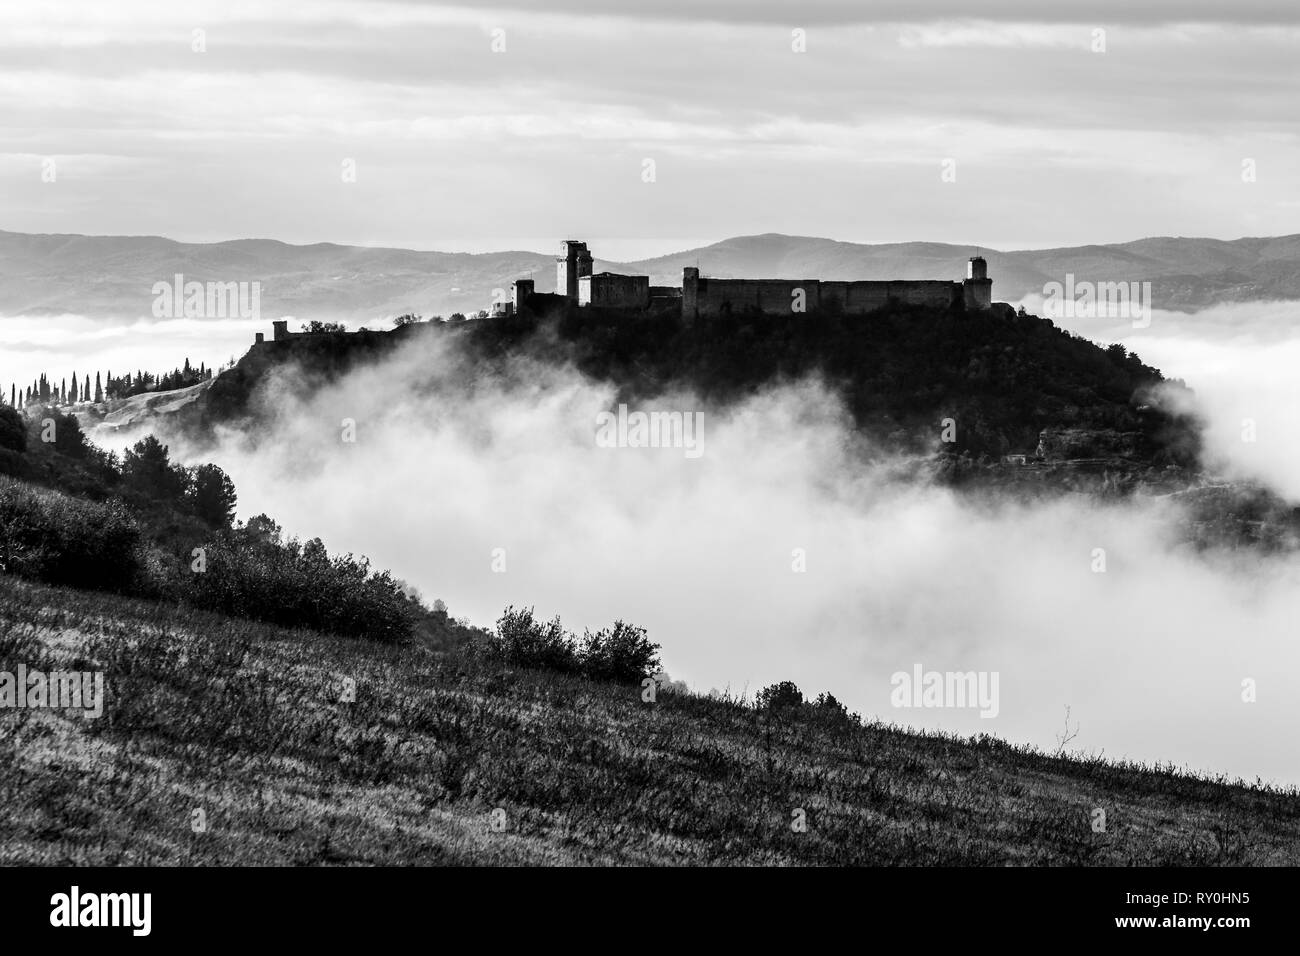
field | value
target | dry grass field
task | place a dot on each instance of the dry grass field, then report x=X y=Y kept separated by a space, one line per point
x=229 y=742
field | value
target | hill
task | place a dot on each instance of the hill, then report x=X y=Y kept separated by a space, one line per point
x=1034 y=410
x=138 y=411
x=443 y=759
x=112 y=276
x=1014 y=384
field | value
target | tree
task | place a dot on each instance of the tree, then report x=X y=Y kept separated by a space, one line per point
x=315 y=325
x=780 y=696
x=409 y=319
x=147 y=468
x=622 y=653
x=68 y=437
x=212 y=496
x=262 y=529
x=13 y=432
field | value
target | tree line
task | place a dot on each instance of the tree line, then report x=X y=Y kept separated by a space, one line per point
x=43 y=391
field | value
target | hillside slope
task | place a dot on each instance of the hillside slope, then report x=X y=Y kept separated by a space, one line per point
x=1009 y=380
x=245 y=722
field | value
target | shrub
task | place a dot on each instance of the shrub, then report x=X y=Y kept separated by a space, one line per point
x=780 y=696
x=13 y=431
x=830 y=710
x=62 y=540
x=523 y=641
x=623 y=654
x=299 y=585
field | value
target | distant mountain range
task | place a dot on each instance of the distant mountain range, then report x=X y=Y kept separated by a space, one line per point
x=113 y=276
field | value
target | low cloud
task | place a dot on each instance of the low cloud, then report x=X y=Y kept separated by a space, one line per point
x=1240 y=361
x=448 y=465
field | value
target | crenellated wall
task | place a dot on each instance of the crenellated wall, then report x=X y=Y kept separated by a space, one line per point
x=705 y=296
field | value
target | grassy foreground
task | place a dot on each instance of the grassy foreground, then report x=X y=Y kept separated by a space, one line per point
x=442 y=760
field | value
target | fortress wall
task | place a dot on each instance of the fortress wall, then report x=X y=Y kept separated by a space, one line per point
x=865 y=296
x=706 y=296
x=856 y=297
x=614 y=291
x=769 y=295
x=777 y=296
x=934 y=293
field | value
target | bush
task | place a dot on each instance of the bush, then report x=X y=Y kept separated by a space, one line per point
x=61 y=540
x=780 y=696
x=249 y=574
x=830 y=710
x=623 y=654
x=13 y=431
x=523 y=641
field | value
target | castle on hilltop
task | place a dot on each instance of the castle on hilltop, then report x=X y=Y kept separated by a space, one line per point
x=702 y=296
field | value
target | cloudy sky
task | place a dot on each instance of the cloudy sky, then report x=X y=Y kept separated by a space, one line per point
x=506 y=127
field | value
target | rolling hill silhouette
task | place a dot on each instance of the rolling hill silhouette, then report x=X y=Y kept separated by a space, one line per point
x=112 y=276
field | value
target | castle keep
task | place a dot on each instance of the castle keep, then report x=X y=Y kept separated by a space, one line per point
x=702 y=296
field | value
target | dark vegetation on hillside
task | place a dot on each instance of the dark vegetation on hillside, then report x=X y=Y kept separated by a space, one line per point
x=142 y=525
x=621 y=653
x=1085 y=419
x=1002 y=377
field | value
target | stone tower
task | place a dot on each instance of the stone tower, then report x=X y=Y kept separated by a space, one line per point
x=977 y=289
x=690 y=293
x=572 y=266
x=520 y=292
